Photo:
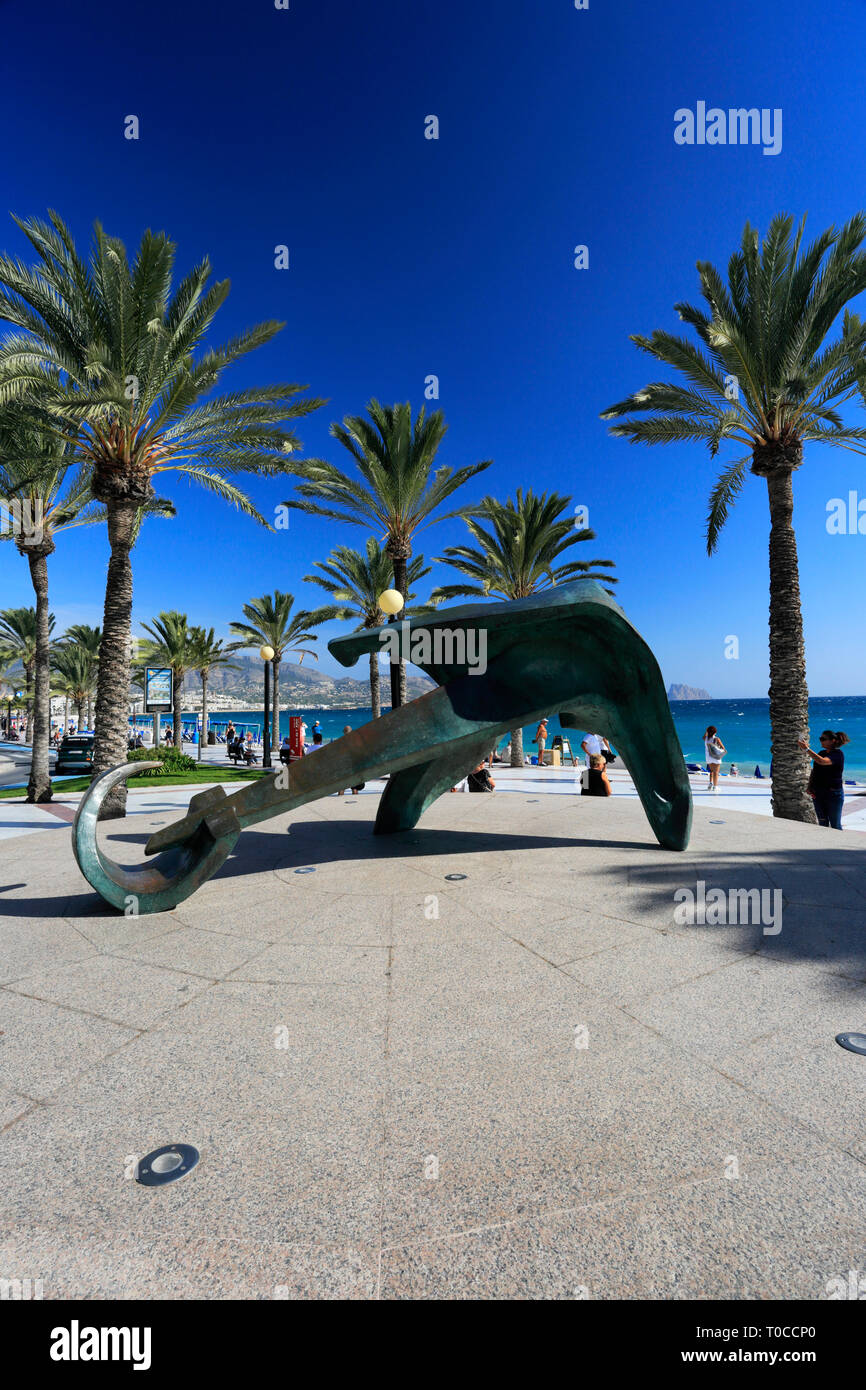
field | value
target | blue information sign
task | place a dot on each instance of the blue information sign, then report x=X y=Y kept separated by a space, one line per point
x=157 y=689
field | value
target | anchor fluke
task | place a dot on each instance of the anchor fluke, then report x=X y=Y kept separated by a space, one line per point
x=170 y=877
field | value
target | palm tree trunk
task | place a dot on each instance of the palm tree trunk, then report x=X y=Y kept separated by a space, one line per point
x=39 y=784
x=375 y=693
x=65 y=713
x=401 y=584
x=80 y=716
x=112 y=684
x=28 y=700
x=517 y=748
x=789 y=694
x=275 y=709
x=202 y=738
x=89 y=711
x=177 y=706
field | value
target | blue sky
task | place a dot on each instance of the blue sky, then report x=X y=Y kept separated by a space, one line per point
x=408 y=256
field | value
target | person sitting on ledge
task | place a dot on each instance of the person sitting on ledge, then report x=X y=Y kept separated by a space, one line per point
x=235 y=748
x=598 y=783
x=480 y=780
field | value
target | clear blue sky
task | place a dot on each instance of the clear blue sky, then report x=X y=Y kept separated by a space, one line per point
x=455 y=257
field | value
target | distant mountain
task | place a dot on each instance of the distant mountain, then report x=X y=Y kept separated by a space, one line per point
x=299 y=685
x=687 y=692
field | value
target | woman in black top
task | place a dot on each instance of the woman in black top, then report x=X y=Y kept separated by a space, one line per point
x=480 y=780
x=597 y=782
x=825 y=782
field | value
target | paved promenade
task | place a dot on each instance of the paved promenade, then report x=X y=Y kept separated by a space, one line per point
x=481 y=1059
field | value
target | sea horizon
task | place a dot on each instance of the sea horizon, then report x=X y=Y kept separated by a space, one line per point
x=743 y=724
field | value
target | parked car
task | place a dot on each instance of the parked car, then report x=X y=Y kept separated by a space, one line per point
x=76 y=754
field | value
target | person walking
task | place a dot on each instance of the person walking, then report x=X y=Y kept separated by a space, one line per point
x=714 y=748
x=541 y=740
x=592 y=745
x=826 y=780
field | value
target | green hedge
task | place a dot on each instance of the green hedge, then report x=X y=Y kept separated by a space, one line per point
x=172 y=759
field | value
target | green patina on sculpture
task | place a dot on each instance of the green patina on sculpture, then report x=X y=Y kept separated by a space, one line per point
x=570 y=649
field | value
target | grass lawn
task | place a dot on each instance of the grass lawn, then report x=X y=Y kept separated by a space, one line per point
x=145 y=783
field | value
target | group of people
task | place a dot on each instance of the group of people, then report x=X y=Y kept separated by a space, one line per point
x=826 y=780
x=594 y=782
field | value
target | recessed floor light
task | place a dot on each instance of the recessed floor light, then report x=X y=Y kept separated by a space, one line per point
x=852 y=1042
x=165 y=1165
x=452 y=878
x=308 y=869
x=717 y=822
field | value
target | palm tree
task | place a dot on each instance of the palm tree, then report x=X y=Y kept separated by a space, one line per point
x=518 y=544
x=208 y=653
x=170 y=645
x=12 y=660
x=355 y=581
x=7 y=689
x=18 y=637
x=397 y=493
x=37 y=478
x=90 y=638
x=269 y=623
x=132 y=405
x=74 y=675
x=765 y=376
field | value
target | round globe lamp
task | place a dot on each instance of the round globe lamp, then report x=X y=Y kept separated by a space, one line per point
x=390 y=601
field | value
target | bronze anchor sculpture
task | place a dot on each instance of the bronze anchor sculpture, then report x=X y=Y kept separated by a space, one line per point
x=570 y=649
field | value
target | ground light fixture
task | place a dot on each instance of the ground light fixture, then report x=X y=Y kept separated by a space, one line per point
x=453 y=878
x=166 y=1165
x=852 y=1042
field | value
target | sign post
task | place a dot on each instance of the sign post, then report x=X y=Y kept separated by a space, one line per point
x=158 y=694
